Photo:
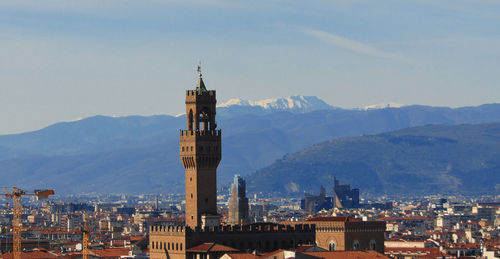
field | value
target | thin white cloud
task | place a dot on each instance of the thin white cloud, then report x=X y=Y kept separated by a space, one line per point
x=352 y=45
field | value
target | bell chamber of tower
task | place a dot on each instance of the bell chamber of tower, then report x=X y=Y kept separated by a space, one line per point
x=200 y=154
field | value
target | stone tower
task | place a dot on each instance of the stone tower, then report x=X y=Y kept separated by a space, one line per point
x=238 y=202
x=200 y=154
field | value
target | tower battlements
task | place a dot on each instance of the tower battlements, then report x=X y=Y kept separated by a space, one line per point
x=193 y=96
x=252 y=228
x=167 y=229
x=198 y=133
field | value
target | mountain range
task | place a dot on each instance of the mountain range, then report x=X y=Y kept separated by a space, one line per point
x=138 y=154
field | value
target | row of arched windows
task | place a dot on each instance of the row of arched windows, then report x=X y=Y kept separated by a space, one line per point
x=190 y=148
x=204 y=117
x=167 y=246
x=355 y=245
x=186 y=148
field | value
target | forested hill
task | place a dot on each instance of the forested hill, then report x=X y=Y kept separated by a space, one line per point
x=421 y=160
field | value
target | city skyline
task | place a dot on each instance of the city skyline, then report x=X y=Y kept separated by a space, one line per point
x=62 y=61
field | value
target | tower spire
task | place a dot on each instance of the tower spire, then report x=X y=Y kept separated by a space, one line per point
x=199 y=68
x=200 y=86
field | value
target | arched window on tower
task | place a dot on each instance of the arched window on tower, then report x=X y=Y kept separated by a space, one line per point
x=190 y=120
x=205 y=117
x=373 y=245
x=355 y=245
x=331 y=246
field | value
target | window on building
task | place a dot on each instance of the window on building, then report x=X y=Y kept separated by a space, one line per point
x=373 y=245
x=331 y=246
x=355 y=245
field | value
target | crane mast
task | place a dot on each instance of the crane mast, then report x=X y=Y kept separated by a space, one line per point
x=17 y=210
x=17 y=225
x=85 y=240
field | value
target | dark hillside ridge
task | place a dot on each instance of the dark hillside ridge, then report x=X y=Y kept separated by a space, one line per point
x=433 y=159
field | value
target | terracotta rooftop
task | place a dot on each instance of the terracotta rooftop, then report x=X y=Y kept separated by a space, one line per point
x=404 y=218
x=347 y=255
x=211 y=247
x=243 y=256
x=425 y=252
x=110 y=252
x=33 y=254
x=302 y=248
x=463 y=246
x=342 y=218
x=271 y=253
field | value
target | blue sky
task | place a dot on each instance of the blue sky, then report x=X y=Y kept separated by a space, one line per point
x=61 y=60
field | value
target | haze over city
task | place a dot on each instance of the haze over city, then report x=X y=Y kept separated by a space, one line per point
x=64 y=60
x=218 y=129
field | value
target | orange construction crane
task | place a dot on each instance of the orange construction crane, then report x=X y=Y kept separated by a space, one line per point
x=16 y=195
x=85 y=243
x=86 y=234
x=86 y=238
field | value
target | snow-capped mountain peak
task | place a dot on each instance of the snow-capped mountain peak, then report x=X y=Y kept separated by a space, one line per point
x=297 y=103
x=382 y=106
x=234 y=101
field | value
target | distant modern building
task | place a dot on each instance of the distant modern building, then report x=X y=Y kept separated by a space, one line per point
x=344 y=196
x=238 y=202
x=314 y=203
